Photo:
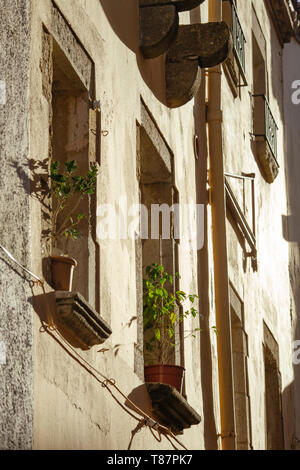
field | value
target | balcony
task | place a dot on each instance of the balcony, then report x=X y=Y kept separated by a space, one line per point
x=265 y=133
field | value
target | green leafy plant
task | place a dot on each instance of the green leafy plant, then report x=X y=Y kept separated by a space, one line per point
x=161 y=308
x=69 y=190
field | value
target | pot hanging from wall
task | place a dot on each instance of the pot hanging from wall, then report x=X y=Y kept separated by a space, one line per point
x=62 y=268
x=165 y=374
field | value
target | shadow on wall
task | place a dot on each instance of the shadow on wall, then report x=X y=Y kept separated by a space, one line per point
x=123 y=17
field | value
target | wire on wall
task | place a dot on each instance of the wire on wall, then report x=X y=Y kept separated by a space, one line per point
x=107 y=383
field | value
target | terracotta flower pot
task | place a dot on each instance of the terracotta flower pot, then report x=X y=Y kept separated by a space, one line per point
x=62 y=272
x=165 y=374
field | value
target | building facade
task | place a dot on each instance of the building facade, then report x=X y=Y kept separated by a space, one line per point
x=184 y=105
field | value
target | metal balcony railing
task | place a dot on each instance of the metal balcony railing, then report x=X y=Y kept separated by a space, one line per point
x=239 y=40
x=268 y=127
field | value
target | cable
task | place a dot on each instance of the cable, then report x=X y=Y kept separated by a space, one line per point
x=20 y=265
x=146 y=420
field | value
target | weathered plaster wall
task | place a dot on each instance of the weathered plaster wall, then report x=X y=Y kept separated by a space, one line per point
x=16 y=323
x=72 y=410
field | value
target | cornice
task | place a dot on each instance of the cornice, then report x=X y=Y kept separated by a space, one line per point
x=283 y=15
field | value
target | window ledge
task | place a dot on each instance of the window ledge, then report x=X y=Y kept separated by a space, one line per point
x=78 y=316
x=171 y=408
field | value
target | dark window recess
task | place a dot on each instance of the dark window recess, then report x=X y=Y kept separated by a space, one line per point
x=72 y=140
x=296 y=4
x=235 y=65
x=239 y=41
x=273 y=398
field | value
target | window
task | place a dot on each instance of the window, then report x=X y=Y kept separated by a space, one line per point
x=264 y=123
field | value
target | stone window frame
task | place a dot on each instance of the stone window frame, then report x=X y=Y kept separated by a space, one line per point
x=57 y=34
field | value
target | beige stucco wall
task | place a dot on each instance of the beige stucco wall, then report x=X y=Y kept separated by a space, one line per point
x=71 y=409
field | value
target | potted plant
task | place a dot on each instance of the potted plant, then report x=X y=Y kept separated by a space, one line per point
x=68 y=191
x=161 y=314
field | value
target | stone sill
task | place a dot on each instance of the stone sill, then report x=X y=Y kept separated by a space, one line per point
x=81 y=319
x=282 y=18
x=171 y=408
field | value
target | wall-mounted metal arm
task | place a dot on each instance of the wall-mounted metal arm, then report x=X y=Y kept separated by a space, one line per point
x=239 y=217
x=187 y=47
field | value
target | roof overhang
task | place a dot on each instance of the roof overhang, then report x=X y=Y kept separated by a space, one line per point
x=283 y=18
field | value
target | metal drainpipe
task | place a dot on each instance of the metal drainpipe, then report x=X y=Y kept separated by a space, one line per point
x=218 y=200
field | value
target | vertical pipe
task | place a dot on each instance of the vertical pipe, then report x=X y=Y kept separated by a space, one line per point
x=223 y=321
